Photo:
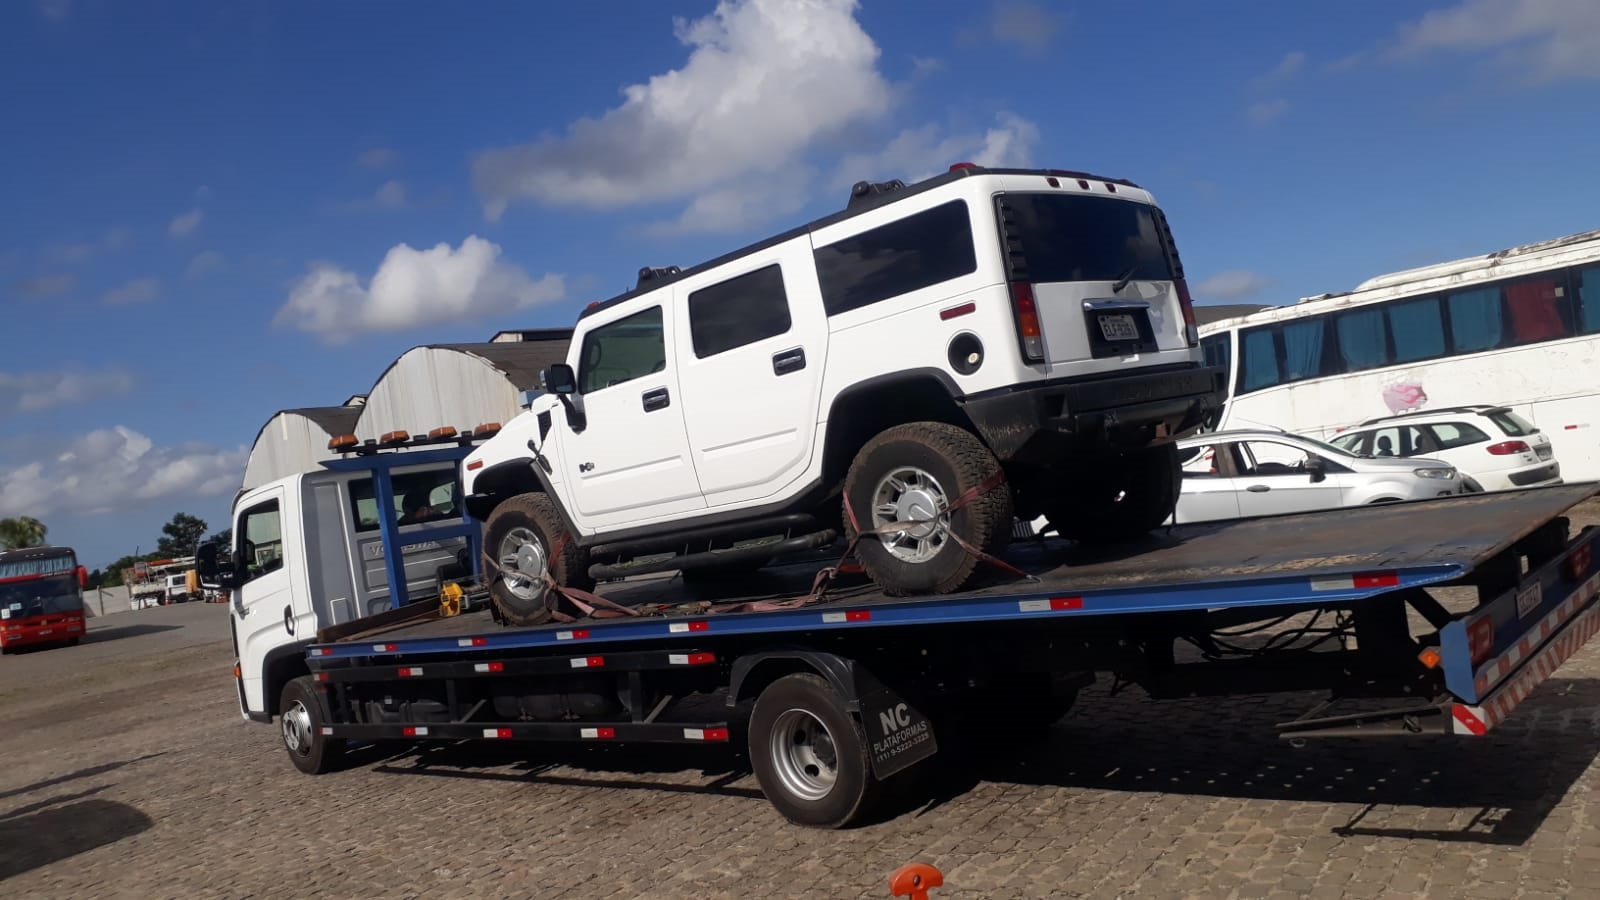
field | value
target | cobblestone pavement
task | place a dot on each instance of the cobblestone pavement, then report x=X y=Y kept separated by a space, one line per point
x=140 y=780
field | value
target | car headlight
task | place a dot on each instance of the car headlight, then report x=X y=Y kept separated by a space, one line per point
x=1435 y=473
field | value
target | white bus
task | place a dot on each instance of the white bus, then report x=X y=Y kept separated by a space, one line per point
x=1517 y=328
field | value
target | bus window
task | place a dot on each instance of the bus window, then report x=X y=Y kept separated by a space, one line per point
x=1302 y=349
x=1417 y=329
x=1475 y=319
x=1259 y=361
x=1589 y=300
x=1535 y=307
x=1363 y=342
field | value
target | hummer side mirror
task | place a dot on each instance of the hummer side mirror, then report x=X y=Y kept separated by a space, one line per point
x=560 y=379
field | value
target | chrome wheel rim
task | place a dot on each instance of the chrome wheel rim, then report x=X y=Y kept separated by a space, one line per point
x=911 y=495
x=523 y=562
x=297 y=729
x=803 y=754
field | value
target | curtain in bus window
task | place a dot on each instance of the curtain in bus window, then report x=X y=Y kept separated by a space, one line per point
x=1475 y=319
x=1260 y=358
x=1417 y=329
x=1302 y=349
x=1362 y=342
x=1589 y=300
x=1535 y=307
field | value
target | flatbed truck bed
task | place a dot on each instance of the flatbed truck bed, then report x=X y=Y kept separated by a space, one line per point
x=850 y=691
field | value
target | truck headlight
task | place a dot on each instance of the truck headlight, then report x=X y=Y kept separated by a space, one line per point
x=1445 y=474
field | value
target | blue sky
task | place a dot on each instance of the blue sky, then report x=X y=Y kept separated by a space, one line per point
x=216 y=211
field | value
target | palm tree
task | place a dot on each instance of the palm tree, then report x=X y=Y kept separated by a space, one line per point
x=22 y=531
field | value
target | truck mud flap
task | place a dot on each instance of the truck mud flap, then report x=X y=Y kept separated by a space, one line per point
x=1494 y=658
x=898 y=734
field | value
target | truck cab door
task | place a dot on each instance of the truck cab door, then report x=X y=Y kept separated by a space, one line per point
x=267 y=617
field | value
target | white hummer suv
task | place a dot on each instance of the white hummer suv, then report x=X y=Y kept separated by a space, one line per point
x=984 y=344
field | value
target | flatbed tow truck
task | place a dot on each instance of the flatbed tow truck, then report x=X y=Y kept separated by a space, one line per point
x=837 y=689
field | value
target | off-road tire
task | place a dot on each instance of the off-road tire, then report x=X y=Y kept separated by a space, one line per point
x=1087 y=507
x=569 y=567
x=855 y=789
x=959 y=462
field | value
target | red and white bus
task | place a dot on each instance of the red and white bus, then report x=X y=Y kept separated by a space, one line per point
x=41 y=597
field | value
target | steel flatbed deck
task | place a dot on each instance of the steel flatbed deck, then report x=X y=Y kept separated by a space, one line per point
x=1328 y=557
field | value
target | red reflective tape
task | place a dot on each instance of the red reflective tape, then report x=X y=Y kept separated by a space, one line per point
x=576 y=634
x=410 y=672
x=716 y=734
x=597 y=733
x=471 y=642
x=595 y=661
x=1066 y=603
x=497 y=667
x=497 y=732
x=854 y=615
x=1466 y=718
x=322 y=651
x=957 y=311
x=414 y=731
x=699 y=626
x=1376 y=580
x=323 y=676
x=700 y=659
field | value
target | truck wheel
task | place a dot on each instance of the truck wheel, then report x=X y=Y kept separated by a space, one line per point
x=301 y=715
x=912 y=472
x=1120 y=500
x=520 y=534
x=809 y=754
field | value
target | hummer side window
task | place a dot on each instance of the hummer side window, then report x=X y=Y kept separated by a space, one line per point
x=739 y=311
x=622 y=351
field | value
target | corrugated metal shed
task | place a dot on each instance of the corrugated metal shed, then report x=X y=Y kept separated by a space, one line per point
x=296 y=440
x=460 y=385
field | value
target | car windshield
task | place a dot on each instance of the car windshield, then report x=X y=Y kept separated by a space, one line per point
x=1328 y=449
x=1511 y=423
x=36 y=597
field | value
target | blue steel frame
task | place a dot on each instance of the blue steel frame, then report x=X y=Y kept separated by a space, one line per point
x=1022 y=605
x=381 y=465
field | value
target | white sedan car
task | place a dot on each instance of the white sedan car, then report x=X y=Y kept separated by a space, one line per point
x=1495 y=449
x=1237 y=474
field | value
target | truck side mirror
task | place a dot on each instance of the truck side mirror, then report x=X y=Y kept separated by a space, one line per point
x=560 y=379
x=205 y=561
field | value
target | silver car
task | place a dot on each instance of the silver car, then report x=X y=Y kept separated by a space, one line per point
x=1238 y=474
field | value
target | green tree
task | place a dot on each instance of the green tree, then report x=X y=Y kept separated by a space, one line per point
x=180 y=536
x=22 y=531
x=223 y=539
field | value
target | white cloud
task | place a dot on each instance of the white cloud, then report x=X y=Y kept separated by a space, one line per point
x=377 y=158
x=114 y=469
x=186 y=223
x=1028 y=25
x=24 y=392
x=139 y=290
x=392 y=195
x=45 y=285
x=1286 y=69
x=83 y=251
x=1235 y=284
x=1267 y=110
x=1547 y=40
x=414 y=287
x=765 y=81
x=203 y=264
x=918 y=153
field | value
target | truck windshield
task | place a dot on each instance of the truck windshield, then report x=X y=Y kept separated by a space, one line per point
x=49 y=595
x=1077 y=237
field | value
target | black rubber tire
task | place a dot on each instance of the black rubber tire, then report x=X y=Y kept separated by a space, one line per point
x=321 y=754
x=1119 y=500
x=959 y=462
x=855 y=790
x=570 y=568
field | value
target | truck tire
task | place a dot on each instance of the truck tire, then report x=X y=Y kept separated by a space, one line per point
x=523 y=530
x=1121 y=500
x=301 y=715
x=904 y=474
x=809 y=754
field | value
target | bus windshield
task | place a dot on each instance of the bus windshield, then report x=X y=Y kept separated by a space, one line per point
x=39 y=596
